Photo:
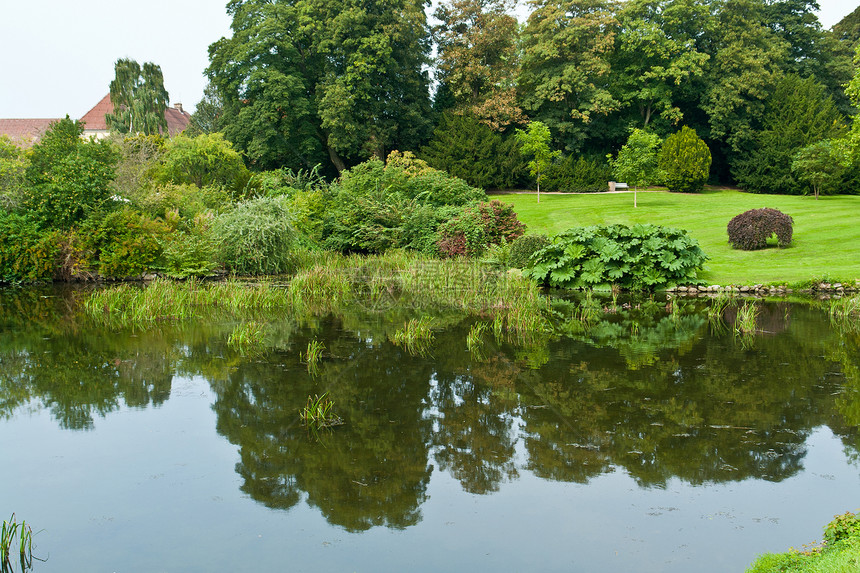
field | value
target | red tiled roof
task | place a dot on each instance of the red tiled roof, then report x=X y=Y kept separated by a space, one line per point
x=94 y=119
x=25 y=132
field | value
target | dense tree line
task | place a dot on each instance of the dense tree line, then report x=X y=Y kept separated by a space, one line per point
x=304 y=82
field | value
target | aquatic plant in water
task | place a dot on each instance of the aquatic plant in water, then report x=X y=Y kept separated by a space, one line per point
x=248 y=338
x=415 y=336
x=313 y=355
x=8 y=533
x=319 y=413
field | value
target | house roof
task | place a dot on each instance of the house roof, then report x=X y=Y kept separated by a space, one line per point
x=94 y=120
x=25 y=132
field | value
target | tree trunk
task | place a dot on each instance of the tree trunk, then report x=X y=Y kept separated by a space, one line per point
x=336 y=160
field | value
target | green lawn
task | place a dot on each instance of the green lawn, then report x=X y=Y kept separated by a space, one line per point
x=826 y=242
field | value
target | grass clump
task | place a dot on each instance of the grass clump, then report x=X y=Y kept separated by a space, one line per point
x=318 y=413
x=313 y=355
x=16 y=536
x=845 y=312
x=248 y=338
x=416 y=336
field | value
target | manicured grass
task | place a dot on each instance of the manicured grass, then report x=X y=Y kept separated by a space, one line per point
x=826 y=242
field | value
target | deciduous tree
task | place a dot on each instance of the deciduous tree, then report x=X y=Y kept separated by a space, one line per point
x=477 y=58
x=310 y=77
x=138 y=97
x=534 y=142
x=564 y=81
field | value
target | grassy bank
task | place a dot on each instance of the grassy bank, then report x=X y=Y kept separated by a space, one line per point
x=826 y=237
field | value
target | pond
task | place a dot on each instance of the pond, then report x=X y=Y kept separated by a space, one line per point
x=651 y=439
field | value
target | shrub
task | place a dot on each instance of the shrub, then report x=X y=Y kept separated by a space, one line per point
x=524 y=247
x=256 y=237
x=581 y=174
x=375 y=207
x=469 y=233
x=843 y=526
x=751 y=230
x=685 y=161
x=127 y=243
x=27 y=253
x=186 y=199
x=13 y=165
x=641 y=257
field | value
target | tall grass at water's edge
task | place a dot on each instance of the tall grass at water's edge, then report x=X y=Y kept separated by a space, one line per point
x=332 y=282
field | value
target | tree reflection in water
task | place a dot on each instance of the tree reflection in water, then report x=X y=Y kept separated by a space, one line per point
x=653 y=393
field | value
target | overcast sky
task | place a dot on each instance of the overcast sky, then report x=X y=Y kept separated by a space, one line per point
x=57 y=56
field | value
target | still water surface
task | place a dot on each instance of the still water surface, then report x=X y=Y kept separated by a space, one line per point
x=650 y=441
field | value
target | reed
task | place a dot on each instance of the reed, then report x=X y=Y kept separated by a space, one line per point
x=8 y=533
x=318 y=413
x=745 y=322
x=475 y=338
x=845 y=313
x=416 y=336
x=313 y=355
x=248 y=338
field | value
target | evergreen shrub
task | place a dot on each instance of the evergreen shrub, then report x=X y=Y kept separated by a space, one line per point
x=641 y=257
x=751 y=229
x=472 y=151
x=685 y=161
x=580 y=174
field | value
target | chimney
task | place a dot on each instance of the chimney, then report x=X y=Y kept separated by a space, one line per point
x=179 y=107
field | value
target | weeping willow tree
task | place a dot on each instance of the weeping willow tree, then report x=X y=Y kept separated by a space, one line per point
x=138 y=97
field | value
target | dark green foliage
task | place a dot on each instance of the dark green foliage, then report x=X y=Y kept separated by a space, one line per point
x=69 y=177
x=478 y=227
x=127 y=243
x=843 y=526
x=578 y=174
x=472 y=151
x=797 y=113
x=27 y=253
x=751 y=230
x=524 y=247
x=323 y=81
x=375 y=207
x=685 y=161
x=641 y=257
x=256 y=237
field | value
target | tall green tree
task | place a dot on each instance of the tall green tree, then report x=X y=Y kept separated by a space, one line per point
x=207 y=115
x=307 y=78
x=798 y=112
x=477 y=58
x=564 y=78
x=746 y=65
x=138 y=97
x=656 y=57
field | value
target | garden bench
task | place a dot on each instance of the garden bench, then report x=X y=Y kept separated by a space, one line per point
x=615 y=186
